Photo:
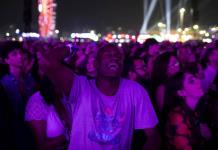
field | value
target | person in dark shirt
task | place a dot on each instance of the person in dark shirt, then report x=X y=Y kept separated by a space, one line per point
x=18 y=87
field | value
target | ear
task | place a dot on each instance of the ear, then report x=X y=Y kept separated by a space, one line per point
x=181 y=93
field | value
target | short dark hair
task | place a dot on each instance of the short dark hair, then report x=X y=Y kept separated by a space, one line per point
x=8 y=46
x=103 y=48
x=171 y=97
x=160 y=66
x=191 y=67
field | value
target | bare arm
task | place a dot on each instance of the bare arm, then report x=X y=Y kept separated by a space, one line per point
x=51 y=63
x=42 y=142
x=160 y=97
x=153 y=139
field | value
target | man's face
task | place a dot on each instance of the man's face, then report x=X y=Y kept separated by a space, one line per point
x=154 y=50
x=173 y=66
x=191 y=87
x=140 y=68
x=186 y=55
x=110 y=62
x=15 y=58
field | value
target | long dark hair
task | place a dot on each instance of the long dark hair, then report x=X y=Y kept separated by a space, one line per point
x=159 y=71
x=171 y=97
x=47 y=90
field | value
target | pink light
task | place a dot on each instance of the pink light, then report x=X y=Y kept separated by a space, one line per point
x=46 y=18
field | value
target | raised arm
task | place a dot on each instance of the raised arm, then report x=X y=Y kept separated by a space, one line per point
x=51 y=64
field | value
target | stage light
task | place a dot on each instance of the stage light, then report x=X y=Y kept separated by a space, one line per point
x=121 y=40
x=214 y=29
x=179 y=30
x=181 y=15
x=207 y=34
x=7 y=34
x=208 y=40
x=20 y=39
x=202 y=32
x=57 y=31
x=17 y=31
x=196 y=27
x=161 y=25
x=168 y=15
x=127 y=36
x=31 y=35
x=114 y=36
x=182 y=11
x=92 y=32
x=147 y=15
x=40 y=8
x=187 y=29
x=133 y=37
x=47 y=17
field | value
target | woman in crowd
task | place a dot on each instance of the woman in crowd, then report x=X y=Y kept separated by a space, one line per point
x=185 y=128
x=48 y=111
x=165 y=66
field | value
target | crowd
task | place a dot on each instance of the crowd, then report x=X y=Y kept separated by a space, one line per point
x=97 y=95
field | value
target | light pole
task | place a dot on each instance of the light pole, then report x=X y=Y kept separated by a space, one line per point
x=181 y=16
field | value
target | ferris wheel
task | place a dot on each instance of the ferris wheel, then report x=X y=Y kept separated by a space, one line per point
x=47 y=17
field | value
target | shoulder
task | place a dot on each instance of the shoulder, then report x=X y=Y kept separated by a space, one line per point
x=134 y=90
x=36 y=100
x=131 y=85
x=80 y=79
x=79 y=86
x=36 y=108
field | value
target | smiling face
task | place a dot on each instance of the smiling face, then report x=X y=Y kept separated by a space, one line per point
x=109 y=62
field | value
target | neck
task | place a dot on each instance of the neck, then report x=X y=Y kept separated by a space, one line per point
x=108 y=86
x=16 y=72
x=192 y=103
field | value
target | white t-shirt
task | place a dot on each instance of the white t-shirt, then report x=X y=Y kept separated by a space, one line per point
x=37 y=110
x=107 y=122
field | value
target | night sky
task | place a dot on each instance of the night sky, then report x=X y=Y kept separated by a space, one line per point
x=101 y=15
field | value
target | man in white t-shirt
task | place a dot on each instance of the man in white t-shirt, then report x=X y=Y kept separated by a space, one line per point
x=106 y=110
